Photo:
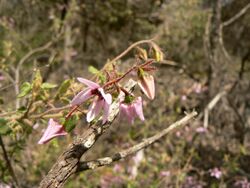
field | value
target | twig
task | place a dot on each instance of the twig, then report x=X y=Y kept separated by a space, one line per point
x=7 y=113
x=21 y=62
x=124 y=153
x=49 y=111
x=237 y=16
x=8 y=76
x=169 y=63
x=206 y=40
x=149 y=41
x=211 y=105
x=5 y=155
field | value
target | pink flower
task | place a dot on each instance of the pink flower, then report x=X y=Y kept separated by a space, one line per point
x=84 y=95
x=164 y=173
x=117 y=168
x=201 y=130
x=2 y=77
x=147 y=85
x=197 y=88
x=132 y=110
x=178 y=133
x=184 y=97
x=96 y=107
x=110 y=180
x=53 y=130
x=243 y=183
x=102 y=101
x=133 y=170
x=215 y=172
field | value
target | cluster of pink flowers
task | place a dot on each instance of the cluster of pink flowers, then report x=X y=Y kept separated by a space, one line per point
x=129 y=109
x=242 y=183
x=197 y=88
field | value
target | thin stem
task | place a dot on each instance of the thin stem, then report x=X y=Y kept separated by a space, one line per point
x=237 y=16
x=71 y=112
x=5 y=155
x=49 y=112
x=149 y=41
x=116 y=80
x=126 y=73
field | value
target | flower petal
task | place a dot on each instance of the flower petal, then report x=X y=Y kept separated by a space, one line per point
x=54 y=129
x=131 y=114
x=94 y=109
x=147 y=85
x=89 y=83
x=106 y=97
x=106 y=111
x=138 y=108
x=127 y=110
x=81 y=97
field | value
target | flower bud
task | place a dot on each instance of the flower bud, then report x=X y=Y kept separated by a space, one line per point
x=147 y=85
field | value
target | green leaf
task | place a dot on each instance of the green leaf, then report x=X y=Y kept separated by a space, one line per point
x=65 y=100
x=25 y=89
x=2 y=121
x=102 y=78
x=70 y=123
x=98 y=73
x=63 y=88
x=93 y=70
x=48 y=86
x=128 y=99
x=4 y=128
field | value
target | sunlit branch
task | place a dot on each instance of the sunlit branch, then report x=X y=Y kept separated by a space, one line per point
x=237 y=16
x=132 y=150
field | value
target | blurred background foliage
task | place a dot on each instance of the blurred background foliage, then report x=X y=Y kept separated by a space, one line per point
x=44 y=43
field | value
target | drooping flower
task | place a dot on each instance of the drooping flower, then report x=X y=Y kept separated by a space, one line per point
x=215 y=172
x=53 y=130
x=87 y=93
x=103 y=100
x=147 y=85
x=131 y=110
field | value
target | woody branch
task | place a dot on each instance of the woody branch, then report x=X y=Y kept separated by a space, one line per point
x=85 y=165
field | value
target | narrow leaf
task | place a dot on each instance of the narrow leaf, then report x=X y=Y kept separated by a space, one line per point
x=25 y=89
x=93 y=70
x=48 y=86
